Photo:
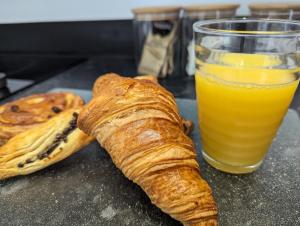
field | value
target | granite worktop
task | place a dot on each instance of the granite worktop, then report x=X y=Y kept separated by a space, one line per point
x=87 y=189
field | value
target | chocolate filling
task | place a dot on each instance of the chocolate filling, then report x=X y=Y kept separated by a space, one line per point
x=60 y=137
x=20 y=165
x=56 y=109
x=14 y=108
x=28 y=161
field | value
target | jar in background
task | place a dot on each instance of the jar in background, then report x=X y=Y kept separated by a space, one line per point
x=157 y=44
x=194 y=13
x=289 y=11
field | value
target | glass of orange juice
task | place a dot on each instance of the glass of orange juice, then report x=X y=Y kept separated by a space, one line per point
x=246 y=76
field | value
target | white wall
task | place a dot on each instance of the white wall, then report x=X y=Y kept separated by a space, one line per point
x=12 y=11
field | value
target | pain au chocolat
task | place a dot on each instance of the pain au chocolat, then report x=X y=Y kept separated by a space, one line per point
x=138 y=123
x=28 y=112
x=43 y=145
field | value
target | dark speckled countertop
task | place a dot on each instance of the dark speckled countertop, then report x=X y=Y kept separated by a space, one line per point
x=87 y=189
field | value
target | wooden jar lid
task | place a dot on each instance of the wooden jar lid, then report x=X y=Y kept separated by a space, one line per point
x=156 y=13
x=294 y=6
x=210 y=7
x=156 y=9
x=269 y=6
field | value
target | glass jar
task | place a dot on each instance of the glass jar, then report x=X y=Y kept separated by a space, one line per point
x=194 y=13
x=289 y=11
x=156 y=36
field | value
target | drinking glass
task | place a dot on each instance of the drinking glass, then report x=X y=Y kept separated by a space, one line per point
x=246 y=76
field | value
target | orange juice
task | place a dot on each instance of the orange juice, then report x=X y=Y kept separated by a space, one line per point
x=241 y=103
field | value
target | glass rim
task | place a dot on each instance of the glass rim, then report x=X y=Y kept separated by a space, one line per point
x=199 y=27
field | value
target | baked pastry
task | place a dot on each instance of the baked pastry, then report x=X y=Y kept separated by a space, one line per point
x=105 y=82
x=31 y=111
x=43 y=145
x=137 y=122
x=147 y=77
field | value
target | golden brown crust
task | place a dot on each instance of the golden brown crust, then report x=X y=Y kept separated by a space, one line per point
x=28 y=112
x=148 y=77
x=188 y=126
x=108 y=81
x=105 y=82
x=138 y=123
x=43 y=145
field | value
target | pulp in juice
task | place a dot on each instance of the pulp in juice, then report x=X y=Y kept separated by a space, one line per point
x=240 y=108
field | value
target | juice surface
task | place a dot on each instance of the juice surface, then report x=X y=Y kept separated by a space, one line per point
x=241 y=106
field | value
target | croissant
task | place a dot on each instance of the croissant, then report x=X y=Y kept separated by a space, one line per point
x=43 y=145
x=106 y=82
x=137 y=122
x=31 y=111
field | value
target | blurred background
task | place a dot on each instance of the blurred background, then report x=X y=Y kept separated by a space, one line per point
x=12 y=11
x=41 y=39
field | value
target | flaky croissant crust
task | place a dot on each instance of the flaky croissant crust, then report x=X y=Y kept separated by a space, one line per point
x=137 y=122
